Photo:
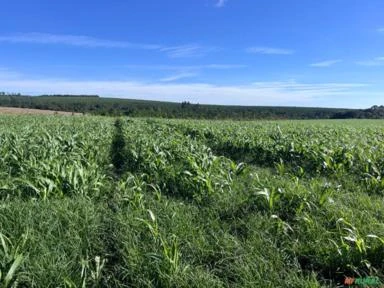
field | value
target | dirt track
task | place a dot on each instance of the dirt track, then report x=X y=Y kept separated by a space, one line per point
x=24 y=111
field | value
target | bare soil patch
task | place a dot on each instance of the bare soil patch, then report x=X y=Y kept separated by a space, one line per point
x=24 y=111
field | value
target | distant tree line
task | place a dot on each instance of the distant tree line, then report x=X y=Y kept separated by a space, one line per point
x=69 y=95
x=93 y=104
x=375 y=112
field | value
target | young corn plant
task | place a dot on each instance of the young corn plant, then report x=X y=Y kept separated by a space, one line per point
x=281 y=167
x=131 y=190
x=169 y=259
x=327 y=191
x=350 y=237
x=90 y=275
x=11 y=258
x=270 y=196
x=282 y=226
x=91 y=272
x=354 y=248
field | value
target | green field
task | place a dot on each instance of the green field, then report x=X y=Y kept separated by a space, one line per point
x=90 y=201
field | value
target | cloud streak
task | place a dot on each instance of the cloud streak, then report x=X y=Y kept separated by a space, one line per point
x=378 y=61
x=178 y=77
x=182 y=72
x=186 y=51
x=220 y=3
x=188 y=67
x=269 y=50
x=73 y=40
x=181 y=51
x=327 y=63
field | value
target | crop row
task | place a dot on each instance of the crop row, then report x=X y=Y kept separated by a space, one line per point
x=62 y=158
x=176 y=164
x=302 y=149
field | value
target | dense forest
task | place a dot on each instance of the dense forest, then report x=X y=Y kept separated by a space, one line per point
x=93 y=104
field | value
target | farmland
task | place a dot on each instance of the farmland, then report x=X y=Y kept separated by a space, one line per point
x=91 y=201
x=17 y=111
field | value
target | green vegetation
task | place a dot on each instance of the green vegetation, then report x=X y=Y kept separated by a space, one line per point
x=89 y=201
x=139 y=108
x=93 y=104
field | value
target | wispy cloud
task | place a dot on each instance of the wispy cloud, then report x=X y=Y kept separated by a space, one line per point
x=326 y=63
x=380 y=30
x=185 y=71
x=269 y=50
x=73 y=40
x=188 y=67
x=289 y=93
x=318 y=88
x=220 y=3
x=181 y=51
x=224 y=66
x=179 y=76
x=186 y=51
x=378 y=61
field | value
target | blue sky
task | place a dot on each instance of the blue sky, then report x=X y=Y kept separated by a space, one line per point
x=327 y=53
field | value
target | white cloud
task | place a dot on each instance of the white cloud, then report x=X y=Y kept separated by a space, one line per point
x=327 y=63
x=269 y=50
x=378 y=61
x=380 y=30
x=260 y=93
x=74 y=40
x=186 y=51
x=178 y=77
x=181 y=51
x=220 y=3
